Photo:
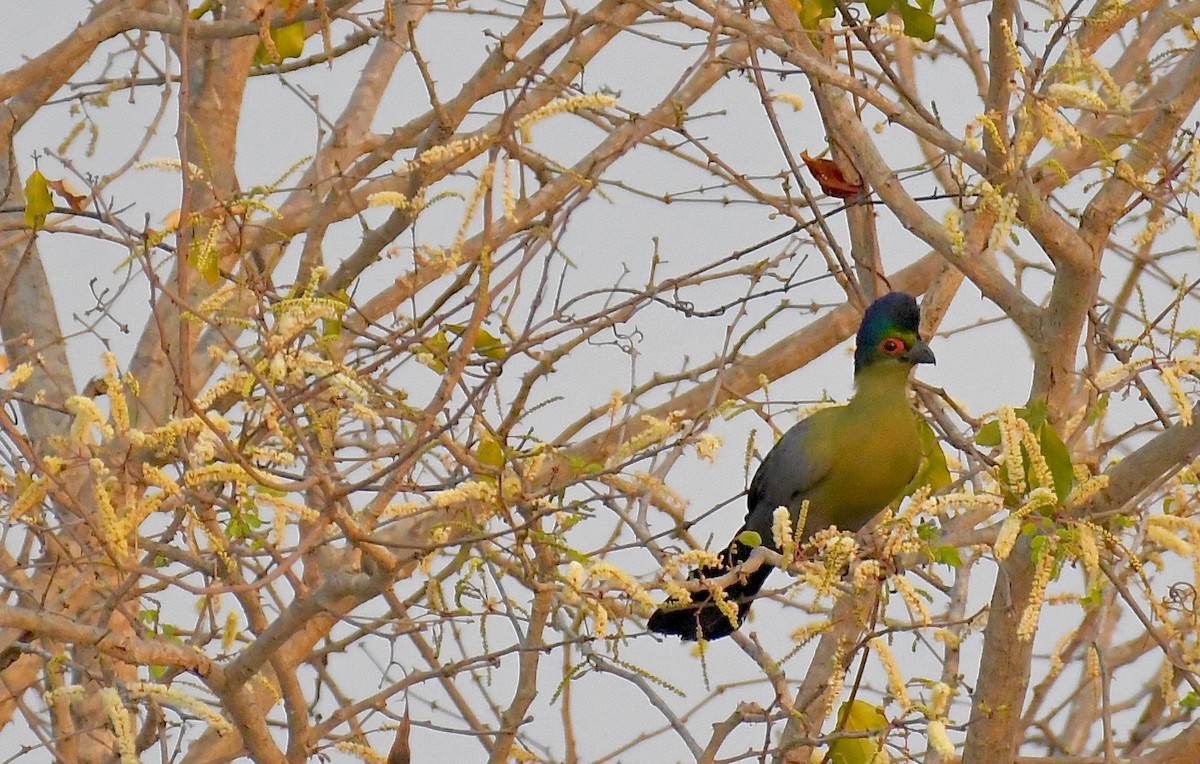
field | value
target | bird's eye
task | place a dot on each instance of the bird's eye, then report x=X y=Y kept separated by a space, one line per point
x=892 y=346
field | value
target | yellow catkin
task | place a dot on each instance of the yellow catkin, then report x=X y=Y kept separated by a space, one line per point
x=606 y=571
x=895 y=678
x=866 y=572
x=1037 y=460
x=230 y=631
x=71 y=692
x=561 y=105
x=838 y=681
x=1075 y=96
x=791 y=99
x=1092 y=660
x=215 y=542
x=19 y=376
x=1087 y=488
x=727 y=606
x=1006 y=539
x=31 y=496
x=118 y=405
x=218 y=472
x=1057 y=663
x=941 y=694
x=707 y=446
x=87 y=416
x=600 y=619
x=939 y=740
x=176 y=698
x=389 y=199
x=1010 y=440
x=1168 y=540
x=118 y=717
x=695 y=557
x=364 y=752
x=1089 y=550
x=111 y=525
x=911 y=597
x=781 y=534
x=160 y=479
x=804 y=634
x=1037 y=595
x=1170 y=377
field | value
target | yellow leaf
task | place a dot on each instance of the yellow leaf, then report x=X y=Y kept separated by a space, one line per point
x=200 y=11
x=750 y=539
x=858 y=716
x=434 y=352
x=38 y=203
x=331 y=328
x=289 y=43
x=490 y=453
x=487 y=344
x=204 y=259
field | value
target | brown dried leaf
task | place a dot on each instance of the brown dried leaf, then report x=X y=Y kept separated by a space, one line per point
x=76 y=202
x=830 y=176
x=400 y=753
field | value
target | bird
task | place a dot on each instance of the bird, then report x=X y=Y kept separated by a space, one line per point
x=847 y=462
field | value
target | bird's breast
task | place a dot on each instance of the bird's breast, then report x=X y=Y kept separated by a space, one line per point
x=875 y=460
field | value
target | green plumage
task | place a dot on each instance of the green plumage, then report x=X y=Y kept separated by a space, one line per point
x=848 y=462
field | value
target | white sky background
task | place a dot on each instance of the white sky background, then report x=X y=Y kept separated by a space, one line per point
x=983 y=368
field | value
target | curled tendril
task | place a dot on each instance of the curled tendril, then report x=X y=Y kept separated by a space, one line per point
x=1182 y=596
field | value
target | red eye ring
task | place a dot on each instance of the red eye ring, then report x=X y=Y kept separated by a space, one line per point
x=892 y=346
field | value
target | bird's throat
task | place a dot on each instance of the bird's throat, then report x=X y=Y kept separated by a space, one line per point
x=881 y=384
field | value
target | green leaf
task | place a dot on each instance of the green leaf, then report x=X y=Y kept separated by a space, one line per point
x=947 y=555
x=1035 y=413
x=812 y=12
x=933 y=471
x=857 y=716
x=918 y=23
x=1058 y=459
x=38 y=203
x=1098 y=411
x=988 y=435
x=927 y=531
x=551 y=540
x=878 y=7
x=1190 y=702
x=1037 y=545
x=750 y=539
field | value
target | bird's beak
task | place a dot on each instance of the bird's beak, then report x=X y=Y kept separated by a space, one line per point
x=920 y=353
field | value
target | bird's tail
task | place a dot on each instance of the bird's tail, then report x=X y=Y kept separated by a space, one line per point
x=701 y=618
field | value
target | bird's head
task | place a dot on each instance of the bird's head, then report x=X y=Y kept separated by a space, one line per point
x=890 y=333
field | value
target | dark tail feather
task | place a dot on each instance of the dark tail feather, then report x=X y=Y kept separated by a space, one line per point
x=701 y=618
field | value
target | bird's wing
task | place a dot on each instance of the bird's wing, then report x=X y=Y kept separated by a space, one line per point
x=797 y=463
